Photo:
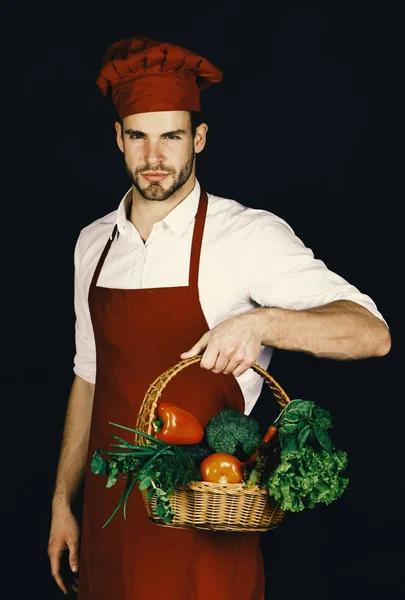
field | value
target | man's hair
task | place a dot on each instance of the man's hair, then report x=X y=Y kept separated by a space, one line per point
x=196 y=118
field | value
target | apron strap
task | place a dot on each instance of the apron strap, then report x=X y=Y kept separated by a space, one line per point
x=102 y=259
x=197 y=240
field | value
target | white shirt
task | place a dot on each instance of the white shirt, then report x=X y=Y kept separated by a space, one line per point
x=249 y=258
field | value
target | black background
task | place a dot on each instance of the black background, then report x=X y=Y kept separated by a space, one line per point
x=306 y=124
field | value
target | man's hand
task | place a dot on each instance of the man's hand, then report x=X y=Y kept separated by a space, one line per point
x=64 y=536
x=233 y=346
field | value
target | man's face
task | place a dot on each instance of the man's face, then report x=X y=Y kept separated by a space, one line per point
x=159 y=151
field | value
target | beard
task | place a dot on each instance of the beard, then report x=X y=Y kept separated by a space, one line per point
x=155 y=191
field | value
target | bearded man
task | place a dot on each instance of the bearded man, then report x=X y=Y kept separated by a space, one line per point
x=172 y=273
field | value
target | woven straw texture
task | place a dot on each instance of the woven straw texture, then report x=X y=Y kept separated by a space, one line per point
x=204 y=505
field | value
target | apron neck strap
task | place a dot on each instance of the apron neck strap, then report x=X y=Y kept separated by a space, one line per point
x=102 y=259
x=195 y=245
x=197 y=239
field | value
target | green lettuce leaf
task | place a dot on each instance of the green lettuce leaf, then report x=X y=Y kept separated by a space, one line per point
x=307 y=477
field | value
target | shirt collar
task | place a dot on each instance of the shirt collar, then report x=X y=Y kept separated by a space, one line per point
x=177 y=220
x=184 y=213
x=121 y=220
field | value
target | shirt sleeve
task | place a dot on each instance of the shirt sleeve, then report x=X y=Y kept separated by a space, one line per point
x=283 y=272
x=85 y=357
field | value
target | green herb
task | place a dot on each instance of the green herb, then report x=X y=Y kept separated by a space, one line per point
x=98 y=464
x=157 y=465
x=306 y=477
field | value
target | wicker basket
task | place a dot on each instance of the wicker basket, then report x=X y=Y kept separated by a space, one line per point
x=205 y=505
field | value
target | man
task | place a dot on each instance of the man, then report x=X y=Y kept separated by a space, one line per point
x=171 y=274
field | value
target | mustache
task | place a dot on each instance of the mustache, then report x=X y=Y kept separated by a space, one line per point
x=155 y=169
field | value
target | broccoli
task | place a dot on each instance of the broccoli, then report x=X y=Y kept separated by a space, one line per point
x=233 y=432
x=197 y=452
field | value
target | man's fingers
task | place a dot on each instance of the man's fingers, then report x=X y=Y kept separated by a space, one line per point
x=231 y=366
x=209 y=358
x=197 y=348
x=57 y=546
x=55 y=558
x=221 y=363
x=243 y=366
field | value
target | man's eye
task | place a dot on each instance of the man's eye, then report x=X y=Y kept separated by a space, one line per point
x=135 y=136
x=173 y=137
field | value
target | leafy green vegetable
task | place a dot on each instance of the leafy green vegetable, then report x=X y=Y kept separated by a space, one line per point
x=98 y=464
x=233 y=432
x=173 y=470
x=306 y=477
x=302 y=423
x=158 y=466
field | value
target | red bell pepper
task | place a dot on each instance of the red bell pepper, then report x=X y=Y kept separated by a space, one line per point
x=176 y=426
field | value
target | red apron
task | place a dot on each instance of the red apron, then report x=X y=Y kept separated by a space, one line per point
x=139 y=334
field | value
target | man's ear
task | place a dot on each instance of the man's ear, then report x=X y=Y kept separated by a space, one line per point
x=200 y=137
x=120 y=141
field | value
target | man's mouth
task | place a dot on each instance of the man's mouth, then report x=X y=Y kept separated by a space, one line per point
x=155 y=176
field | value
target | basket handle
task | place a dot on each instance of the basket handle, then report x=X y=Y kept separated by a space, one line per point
x=149 y=404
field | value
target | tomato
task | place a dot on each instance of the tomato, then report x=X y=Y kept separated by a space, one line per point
x=221 y=468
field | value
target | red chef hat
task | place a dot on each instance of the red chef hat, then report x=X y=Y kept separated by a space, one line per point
x=146 y=75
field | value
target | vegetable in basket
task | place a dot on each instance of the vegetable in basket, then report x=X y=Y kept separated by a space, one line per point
x=265 y=460
x=176 y=426
x=234 y=435
x=310 y=467
x=197 y=452
x=306 y=477
x=233 y=432
x=159 y=466
x=269 y=436
x=221 y=468
x=305 y=468
x=302 y=423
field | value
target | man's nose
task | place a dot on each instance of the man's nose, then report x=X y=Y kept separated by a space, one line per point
x=153 y=152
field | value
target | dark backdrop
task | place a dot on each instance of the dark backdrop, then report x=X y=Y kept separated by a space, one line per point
x=306 y=124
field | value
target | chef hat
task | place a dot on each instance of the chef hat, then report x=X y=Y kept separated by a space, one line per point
x=147 y=75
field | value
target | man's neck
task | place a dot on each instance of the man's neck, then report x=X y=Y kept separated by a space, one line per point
x=143 y=213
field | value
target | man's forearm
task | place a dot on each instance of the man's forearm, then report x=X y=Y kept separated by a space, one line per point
x=339 y=330
x=72 y=461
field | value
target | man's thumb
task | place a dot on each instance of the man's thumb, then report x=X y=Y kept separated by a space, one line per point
x=73 y=557
x=198 y=347
x=192 y=352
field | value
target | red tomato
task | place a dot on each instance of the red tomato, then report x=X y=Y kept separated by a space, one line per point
x=221 y=468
